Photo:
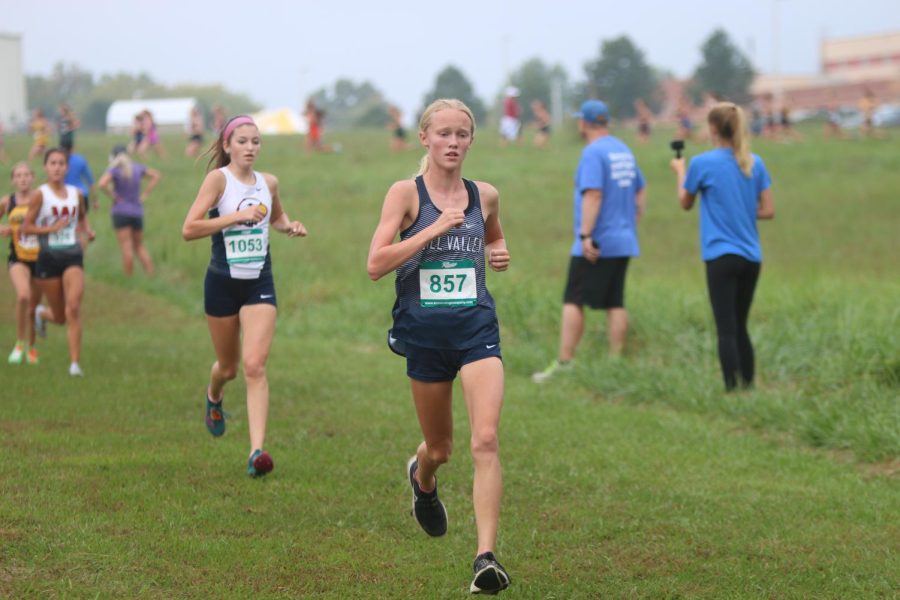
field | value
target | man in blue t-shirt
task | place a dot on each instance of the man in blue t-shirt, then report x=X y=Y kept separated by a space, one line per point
x=79 y=174
x=609 y=200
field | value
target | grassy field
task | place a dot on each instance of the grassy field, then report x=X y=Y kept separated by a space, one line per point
x=635 y=478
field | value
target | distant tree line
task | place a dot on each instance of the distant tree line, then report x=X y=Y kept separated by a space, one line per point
x=619 y=75
x=91 y=97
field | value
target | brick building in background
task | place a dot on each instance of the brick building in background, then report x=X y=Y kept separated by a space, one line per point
x=848 y=68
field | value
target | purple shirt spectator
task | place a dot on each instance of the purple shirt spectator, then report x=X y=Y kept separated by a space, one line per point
x=128 y=191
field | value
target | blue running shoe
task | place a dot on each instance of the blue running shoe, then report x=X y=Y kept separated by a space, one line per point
x=215 y=417
x=259 y=464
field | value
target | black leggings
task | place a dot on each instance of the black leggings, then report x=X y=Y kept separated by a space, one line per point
x=731 y=280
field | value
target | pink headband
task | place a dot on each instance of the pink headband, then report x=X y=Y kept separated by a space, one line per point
x=234 y=124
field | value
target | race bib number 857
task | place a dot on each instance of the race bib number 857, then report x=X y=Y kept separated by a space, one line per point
x=447 y=284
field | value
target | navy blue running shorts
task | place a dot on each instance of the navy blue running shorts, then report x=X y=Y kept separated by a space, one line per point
x=432 y=365
x=223 y=296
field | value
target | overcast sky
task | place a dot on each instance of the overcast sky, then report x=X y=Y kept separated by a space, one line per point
x=279 y=51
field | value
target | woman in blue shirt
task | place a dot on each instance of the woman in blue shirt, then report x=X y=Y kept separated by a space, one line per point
x=735 y=190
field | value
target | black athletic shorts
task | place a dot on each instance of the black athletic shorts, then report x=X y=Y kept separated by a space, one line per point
x=13 y=259
x=599 y=285
x=123 y=221
x=53 y=264
x=223 y=296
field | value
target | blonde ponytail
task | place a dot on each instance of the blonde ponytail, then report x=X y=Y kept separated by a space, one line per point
x=741 y=143
x=425 y=121
x=423 y=165
x=730 y=124
x=123 y=162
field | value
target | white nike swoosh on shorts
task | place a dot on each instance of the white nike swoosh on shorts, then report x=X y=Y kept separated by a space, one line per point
x=489 y=346
x=264 y=296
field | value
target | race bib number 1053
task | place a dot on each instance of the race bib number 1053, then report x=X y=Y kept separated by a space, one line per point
x=245 y=245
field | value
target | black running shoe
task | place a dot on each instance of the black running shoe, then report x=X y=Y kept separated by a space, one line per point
x=490 y=576
x=427 y=508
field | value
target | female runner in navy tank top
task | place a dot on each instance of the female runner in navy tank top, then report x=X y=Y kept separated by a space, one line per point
x=239 y=292
x=444 y=319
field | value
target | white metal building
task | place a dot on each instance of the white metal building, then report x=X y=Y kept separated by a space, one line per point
x=169 y=114
x=13 y=109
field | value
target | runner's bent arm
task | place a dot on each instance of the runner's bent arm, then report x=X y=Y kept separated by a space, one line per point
x=34 y=208
x=384 y=254
x=197 y=226
x=494 y=242
x=82 y=228
x=279 y=220
x=84 y=225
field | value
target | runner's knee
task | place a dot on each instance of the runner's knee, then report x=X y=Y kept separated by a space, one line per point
x=440 y=453
x=484 y=442
x=72 y=312
x=227 y=372
x=254 y=368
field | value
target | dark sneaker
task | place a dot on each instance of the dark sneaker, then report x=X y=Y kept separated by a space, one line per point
x=427 y=508
x=490 y=576
x=215 y=417
x=259 y=464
